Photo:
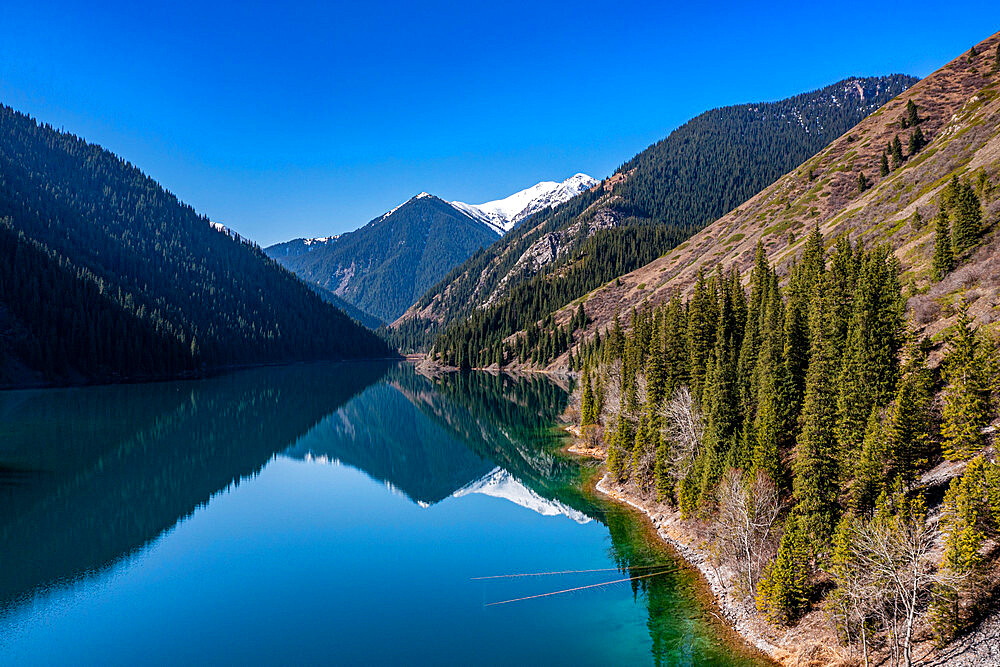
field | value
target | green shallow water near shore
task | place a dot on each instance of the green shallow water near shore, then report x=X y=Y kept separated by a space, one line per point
x=325 y=513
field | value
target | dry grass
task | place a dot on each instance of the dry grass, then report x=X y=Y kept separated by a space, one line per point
x=960 y=109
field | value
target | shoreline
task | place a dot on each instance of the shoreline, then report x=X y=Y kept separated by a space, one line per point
x=734 y=616
x=204 y=374
x=810 y=641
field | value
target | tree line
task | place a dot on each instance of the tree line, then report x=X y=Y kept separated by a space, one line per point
x=797 y=420
x=701 y=170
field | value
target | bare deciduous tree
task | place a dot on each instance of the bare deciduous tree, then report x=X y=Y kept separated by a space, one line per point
x=612 y=391
x=745 y=524
x=684 y=429
x=893 y=550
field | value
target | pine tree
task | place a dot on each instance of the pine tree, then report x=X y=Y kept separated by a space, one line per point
x=912 y=118
x=967 y=398
x=896 y=150
x=816 y=476
x=883 y=167
x=783 y=593
x=863 y=182
x=943 y=260
x=917 y=141
x=966 y=214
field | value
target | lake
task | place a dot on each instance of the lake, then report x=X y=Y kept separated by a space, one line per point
x=325 y=513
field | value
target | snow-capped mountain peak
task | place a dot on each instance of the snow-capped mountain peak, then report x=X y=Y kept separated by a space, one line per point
x=503 y=214
x=498 y=483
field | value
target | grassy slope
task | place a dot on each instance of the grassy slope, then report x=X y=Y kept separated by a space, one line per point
x=755 y=140
x=960 y=105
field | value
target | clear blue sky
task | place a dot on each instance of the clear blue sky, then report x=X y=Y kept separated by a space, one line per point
x=284 y=121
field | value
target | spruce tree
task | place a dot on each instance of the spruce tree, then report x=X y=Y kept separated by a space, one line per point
x=816 y=473
x=588 y=412
x=837 y=300
x=966 y=215
x=863 y=182
x=944 y=258
x=911 y=113
x=619 y=448
x=870 y=365
x=897 y=443
x=971 y=514
x=796 y=335
x=783 y=593
x=896 y=150
x=721 y=417
x=767 y=433
x=656 y=366
x=968 y=405
x=883 y=166
x=917 y=141
x=676 y=356
x=760 y=277
x=701 y=332
x=644 y=449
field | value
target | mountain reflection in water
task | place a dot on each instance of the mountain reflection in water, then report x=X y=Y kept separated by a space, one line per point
x=203 y=507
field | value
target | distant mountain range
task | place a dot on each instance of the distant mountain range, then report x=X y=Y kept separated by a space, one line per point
x=652 y=203
x=383 y=267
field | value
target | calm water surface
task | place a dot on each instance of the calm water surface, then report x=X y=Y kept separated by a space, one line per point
x=328 y=513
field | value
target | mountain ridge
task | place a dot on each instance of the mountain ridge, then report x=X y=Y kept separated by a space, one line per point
x=369 y=269
x=653 y=202
x=383 y=266
x=107 y=276
x=959 y=110
x=504 y=214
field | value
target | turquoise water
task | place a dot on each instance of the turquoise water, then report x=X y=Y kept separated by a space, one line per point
x=317 y=514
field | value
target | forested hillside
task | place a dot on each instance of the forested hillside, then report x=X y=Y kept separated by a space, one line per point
x=903 y=177
x=107 y=276
x=819 y=410
x=651 y=204
x=386 y=265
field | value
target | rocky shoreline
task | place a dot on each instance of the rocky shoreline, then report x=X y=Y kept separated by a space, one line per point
x=811 y=641
x=689 y=544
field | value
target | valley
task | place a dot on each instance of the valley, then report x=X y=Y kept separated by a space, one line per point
x=734 y=401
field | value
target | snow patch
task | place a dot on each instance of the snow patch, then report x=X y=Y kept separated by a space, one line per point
x=503 y=214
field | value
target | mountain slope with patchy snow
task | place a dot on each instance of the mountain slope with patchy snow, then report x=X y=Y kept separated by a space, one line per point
x=504 y=214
